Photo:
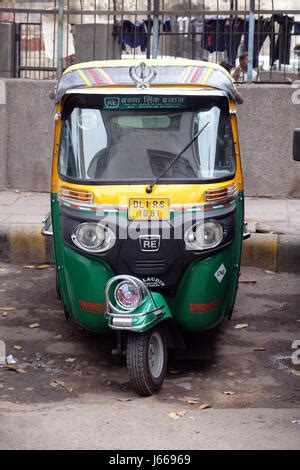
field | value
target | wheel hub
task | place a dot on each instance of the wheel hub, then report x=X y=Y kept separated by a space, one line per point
x=156 y=354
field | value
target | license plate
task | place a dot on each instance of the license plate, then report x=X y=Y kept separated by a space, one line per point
x=149 y=209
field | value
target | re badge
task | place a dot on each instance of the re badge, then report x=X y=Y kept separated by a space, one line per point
x=220 y=273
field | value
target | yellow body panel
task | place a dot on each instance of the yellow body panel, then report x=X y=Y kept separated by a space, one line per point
x=120 y=194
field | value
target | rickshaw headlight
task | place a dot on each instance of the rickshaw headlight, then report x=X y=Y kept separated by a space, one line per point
x=128 y=295
x=204 y=236
x=93 y=237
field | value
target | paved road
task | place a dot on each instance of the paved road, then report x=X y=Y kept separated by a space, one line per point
x=74 y=395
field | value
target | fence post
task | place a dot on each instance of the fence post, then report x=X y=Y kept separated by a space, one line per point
x=60 y=35
x=251 y=41
x=155 y=29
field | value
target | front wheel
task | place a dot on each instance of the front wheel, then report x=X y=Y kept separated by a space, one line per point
x=147 y=361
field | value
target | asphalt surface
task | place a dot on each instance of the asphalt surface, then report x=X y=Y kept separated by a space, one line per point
x=74 y=394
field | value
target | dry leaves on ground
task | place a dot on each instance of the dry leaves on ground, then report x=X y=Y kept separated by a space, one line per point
x=15 y=368
x=176 y=414
x=240 y=326
x=204 y=406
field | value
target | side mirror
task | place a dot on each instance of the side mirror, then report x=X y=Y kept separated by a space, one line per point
x=296 y=145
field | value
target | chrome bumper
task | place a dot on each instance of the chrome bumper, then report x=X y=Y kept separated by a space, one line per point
x=246 y=233
x=117 y=321
x=47 y=229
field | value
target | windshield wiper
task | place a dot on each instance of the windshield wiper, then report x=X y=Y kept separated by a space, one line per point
x=165 y=170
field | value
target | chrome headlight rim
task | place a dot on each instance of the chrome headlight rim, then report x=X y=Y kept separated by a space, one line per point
x=139 y=293
x=193 y=244
x=115 y=283
x=107 y=243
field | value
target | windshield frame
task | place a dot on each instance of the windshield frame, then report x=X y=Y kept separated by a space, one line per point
x=208 y=96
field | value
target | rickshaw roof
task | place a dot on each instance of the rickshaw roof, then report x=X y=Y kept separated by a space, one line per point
x=163 y=72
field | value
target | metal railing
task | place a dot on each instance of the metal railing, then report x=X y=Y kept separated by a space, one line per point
x=50 y=35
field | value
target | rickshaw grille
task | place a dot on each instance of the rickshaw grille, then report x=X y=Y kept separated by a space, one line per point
x=150 y=266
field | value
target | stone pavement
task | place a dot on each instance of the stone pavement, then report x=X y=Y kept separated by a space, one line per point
x=274 y=223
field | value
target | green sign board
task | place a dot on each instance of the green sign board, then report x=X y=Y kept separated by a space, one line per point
x=144 y=102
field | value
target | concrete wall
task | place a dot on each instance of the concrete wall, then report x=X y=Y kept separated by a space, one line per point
x=266 y=123
x=267 y=120
x=30 y=114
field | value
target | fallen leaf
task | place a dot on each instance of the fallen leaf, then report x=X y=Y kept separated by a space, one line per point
x=240 y=326
x=296 y=421
x=70 y=359
x=15 y=368
x=295 y=372
x=176 y=414
x=43 y=266
x=283 y=306
x=17 y=347
x=259 y=349
x=124 y=399
x=229 y=393
x=2 y=290
x=29 y=389
x=29 y=266
x=204 y=406
x=174 y=372
x=246 y=281
x=193 y=402
x=7 y=309
x=34 y=325
x=57 y=383
x=10 y=367
x=57 y=337
x=270 y=272
x=4 y=314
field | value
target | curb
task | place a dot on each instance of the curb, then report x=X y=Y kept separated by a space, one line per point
x=25 y=244
x=279 y=253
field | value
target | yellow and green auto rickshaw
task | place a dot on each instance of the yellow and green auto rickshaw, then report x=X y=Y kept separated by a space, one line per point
x=147 y=204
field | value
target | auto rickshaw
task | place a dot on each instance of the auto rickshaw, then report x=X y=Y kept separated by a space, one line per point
x=147 y=204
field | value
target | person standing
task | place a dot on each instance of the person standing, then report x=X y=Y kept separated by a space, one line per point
x=240 y=73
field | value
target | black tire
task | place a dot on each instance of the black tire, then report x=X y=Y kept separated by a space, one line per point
x=145 y=378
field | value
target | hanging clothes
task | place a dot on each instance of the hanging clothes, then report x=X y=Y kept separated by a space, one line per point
x=235 y=29
x=214 y=35
x=297 y=28
x=281 y=47
x=263 y=30
x=134 y=35
x=167 y=26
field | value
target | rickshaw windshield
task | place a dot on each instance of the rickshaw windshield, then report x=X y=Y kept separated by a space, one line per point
x=133 y=139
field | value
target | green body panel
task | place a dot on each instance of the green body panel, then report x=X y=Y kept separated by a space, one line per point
x=143 y=322
x=200 y=303
x=81 y=280
x=86 y=281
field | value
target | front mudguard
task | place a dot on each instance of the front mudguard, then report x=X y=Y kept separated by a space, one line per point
x=153 y=311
